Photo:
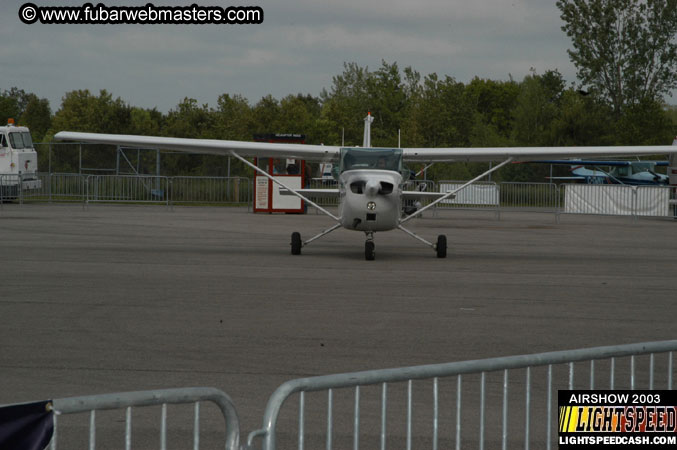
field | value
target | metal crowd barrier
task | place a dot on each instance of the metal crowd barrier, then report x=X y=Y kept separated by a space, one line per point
x=130 y=400
x=127 y=189
x=636 y=201
x=505 y=196
x=618 y=200
x=557 y=371
x=479 y=195
x=504 y=401
x=482 y=195
x=52 y=187
x=421 y=186
x=10 y=187
x=323 y=183
x=58 y=187
x=210 y=190
x=535 y=197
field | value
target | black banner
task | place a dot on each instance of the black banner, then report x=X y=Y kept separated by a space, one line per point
x=27 y=426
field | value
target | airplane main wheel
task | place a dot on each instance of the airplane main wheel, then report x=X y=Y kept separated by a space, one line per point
x=441 y=246
x=296 y=243
x=369 y=253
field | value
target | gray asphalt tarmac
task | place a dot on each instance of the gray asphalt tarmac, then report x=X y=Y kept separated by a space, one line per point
x=118 y=298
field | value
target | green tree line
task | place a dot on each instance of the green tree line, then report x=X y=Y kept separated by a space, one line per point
x=426 y=111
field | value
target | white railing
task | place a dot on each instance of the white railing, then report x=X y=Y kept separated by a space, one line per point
x=557 y=371
x=486 y=403
x=129 y=400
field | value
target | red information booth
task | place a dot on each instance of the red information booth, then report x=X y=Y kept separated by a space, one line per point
x=291 y=172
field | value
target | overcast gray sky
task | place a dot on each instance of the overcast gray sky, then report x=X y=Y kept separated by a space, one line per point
x=297 y=49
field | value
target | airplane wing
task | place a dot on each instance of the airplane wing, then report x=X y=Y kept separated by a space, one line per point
x=580 y=162
x=328 y=153
x=209 y=146
x=528 y=153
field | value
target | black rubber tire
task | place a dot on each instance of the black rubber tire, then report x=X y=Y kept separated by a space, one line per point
x=296 y=243
x=441 y=246
x=369 y=252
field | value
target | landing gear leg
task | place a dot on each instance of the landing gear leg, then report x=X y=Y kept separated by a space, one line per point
x=369 y=252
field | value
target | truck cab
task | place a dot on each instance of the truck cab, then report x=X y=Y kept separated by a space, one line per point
x=18 y=160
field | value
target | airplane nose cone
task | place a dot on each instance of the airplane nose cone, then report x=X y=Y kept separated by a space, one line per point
x=371 y=188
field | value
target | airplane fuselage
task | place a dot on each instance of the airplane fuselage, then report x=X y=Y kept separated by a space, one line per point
x=370 y=188
x=370 y=199
x=622 y=175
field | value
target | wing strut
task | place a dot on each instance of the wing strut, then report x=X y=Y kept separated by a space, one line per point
x=452 y=193
x=327 y=231
x=278 y=182
x=416 y=236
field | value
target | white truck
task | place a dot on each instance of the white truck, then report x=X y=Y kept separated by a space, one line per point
x=18 y=162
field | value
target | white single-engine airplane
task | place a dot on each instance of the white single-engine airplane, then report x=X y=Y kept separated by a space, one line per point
x=630 y=173
x=370 y=180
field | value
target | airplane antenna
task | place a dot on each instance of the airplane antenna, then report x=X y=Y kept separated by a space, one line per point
x=343 y=136
x=399 y=145
x=366 y=141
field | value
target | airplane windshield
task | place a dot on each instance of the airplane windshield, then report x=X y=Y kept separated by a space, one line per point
x=370 y=158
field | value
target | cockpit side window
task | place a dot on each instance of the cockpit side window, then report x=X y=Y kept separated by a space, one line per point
x=643 y=167
x=624 y=171
x=3 y=141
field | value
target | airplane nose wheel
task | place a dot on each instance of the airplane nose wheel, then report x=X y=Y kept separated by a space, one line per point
x=296 y=243
x=369 y=252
